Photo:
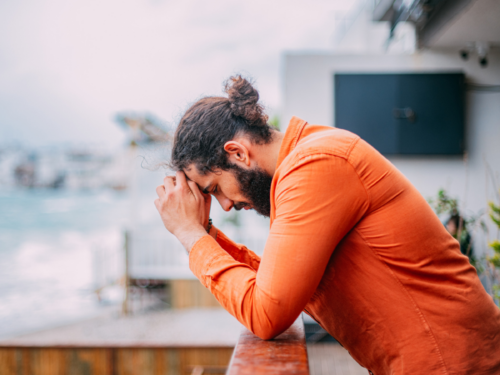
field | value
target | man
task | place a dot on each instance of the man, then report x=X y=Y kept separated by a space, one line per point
x=352 y=243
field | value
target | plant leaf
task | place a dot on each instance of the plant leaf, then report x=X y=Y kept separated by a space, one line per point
x=495 y=245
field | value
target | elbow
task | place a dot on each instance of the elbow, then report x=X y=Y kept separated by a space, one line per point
x=267 y=333
x=272 y=326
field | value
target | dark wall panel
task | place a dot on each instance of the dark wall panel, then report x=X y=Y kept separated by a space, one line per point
x=406 y=114
x=437 y=101
x=362 y=103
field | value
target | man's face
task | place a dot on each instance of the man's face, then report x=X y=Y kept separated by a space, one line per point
x=238 y=188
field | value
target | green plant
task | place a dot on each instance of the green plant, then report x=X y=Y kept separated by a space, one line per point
x=459 y=225
x=444 y=203
x=233 y=218
x=494 y=260
x=275 y=122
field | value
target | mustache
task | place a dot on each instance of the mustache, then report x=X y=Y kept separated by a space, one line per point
x=240 y=205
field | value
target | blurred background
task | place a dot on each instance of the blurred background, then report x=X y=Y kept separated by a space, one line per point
x=91 y=92
x=67 y=71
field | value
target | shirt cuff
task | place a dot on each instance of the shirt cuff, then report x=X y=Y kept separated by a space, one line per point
x=203 y=253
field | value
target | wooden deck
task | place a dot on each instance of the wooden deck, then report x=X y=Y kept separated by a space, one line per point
x=170 y=328
x=173 y=342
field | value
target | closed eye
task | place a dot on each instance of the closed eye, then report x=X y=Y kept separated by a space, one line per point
x=205 y=190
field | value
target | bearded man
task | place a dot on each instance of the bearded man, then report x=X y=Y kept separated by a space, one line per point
x=352 y=243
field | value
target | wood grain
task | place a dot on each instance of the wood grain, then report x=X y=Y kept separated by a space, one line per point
x=285 y=354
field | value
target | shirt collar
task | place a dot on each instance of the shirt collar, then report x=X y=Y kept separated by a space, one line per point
x=292 y=136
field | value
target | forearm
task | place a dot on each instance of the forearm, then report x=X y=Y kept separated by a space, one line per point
x=239 y=252
x=234 y=285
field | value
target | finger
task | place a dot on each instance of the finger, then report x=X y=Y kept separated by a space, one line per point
x=160 y=190
x=168 y=183
x=195 y=190
x=181 y=180
x=157 y=204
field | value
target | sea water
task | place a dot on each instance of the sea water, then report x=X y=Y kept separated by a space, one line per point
x=47 y=240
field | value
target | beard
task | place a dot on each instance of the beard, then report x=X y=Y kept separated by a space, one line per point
x=255 y=185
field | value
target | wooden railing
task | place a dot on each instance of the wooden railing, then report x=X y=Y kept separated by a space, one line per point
x=285 y=354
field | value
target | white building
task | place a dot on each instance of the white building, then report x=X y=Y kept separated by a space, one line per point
x=470 y=26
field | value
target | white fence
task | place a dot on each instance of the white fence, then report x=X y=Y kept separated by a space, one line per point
x=151 y=255
x=157 y=256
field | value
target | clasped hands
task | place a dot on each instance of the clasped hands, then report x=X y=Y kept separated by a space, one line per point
x=183 y=208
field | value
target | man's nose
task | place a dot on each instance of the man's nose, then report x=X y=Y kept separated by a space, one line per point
x=225 y=203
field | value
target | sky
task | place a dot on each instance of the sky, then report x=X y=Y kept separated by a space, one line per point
x=67 y=67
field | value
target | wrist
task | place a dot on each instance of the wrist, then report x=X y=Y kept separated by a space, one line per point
x=187 y=231
x=190 y=236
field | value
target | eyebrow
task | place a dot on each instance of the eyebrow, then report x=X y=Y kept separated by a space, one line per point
x=205 y=190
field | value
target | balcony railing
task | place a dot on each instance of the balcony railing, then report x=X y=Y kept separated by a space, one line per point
x=285 y=354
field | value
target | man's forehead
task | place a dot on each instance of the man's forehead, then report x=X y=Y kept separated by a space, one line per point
x=204 y=182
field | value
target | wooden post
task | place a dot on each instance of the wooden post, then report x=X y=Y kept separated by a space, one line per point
x=125 y=309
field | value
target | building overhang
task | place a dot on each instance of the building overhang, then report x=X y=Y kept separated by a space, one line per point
x=446 y=24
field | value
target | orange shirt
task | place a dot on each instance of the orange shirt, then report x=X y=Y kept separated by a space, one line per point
x=353 y=244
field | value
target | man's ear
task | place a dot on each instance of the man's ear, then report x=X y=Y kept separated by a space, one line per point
x=238 y=153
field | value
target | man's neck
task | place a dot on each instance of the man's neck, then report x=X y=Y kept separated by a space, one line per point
x=267 y=154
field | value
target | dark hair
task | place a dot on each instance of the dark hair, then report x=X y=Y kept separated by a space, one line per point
x=212 y=121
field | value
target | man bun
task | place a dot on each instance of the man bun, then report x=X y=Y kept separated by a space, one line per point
x=243 y=99
x=213 y=121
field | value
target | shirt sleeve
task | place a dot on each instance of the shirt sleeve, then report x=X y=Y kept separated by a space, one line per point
x=318 y=201
x=239 y=252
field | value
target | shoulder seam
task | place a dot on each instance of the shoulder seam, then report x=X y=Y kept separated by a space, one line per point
x=368 y=197
x=353 y=143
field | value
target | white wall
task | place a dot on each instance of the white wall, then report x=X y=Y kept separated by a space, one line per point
x=308 y=94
